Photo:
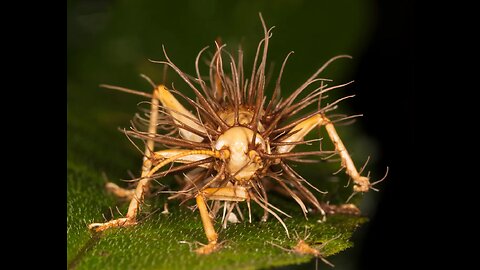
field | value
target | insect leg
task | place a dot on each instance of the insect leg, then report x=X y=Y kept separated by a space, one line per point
x=135 y=203
x=236 y=194
x=362 y=183
x=144 y=182
x=164 y=154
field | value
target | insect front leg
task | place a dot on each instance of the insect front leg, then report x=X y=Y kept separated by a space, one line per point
x=361 y=183
x=235 y=194
x=164 y=154
x=127 y=194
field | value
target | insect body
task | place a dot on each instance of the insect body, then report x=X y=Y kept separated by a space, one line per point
x=235 y=143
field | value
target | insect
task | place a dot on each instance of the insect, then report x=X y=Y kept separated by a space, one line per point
x=303 y=248
x=235 y=142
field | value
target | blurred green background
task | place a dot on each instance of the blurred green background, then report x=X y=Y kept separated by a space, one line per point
x=111 y=42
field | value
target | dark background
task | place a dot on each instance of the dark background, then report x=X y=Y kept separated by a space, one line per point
x=387 y=69
x=109 y=42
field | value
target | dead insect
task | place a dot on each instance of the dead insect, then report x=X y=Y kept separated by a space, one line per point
x=303 y=248
x=237 y=143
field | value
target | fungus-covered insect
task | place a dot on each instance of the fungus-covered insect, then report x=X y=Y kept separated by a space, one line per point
x=235 y=142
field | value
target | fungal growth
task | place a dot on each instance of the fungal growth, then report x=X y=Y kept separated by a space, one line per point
x=232 y=145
